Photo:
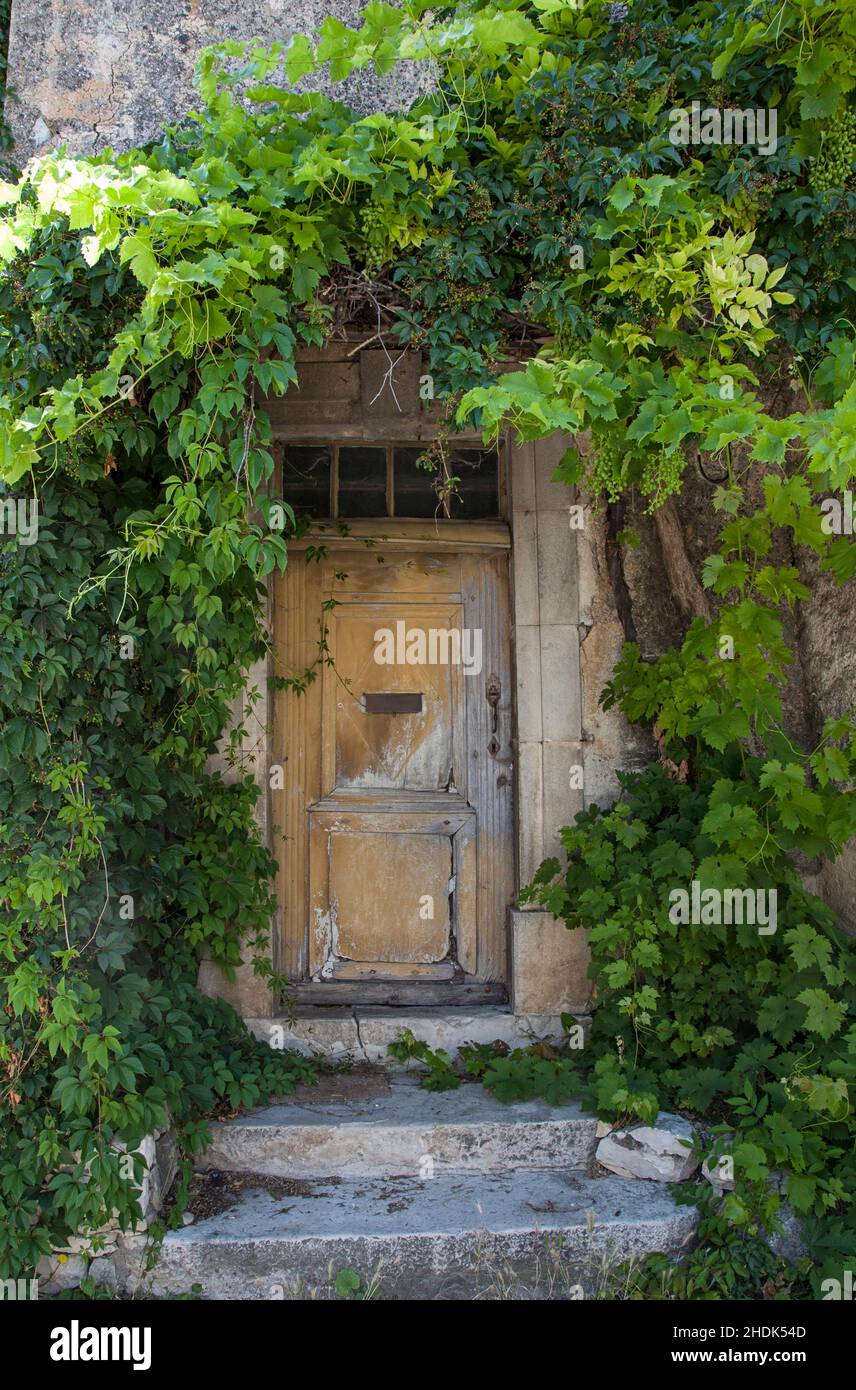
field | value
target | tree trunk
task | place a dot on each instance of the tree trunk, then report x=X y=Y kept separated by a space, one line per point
x=615 y=569
x=690 y=597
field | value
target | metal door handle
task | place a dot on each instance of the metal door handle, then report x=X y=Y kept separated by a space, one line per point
x=493 y=692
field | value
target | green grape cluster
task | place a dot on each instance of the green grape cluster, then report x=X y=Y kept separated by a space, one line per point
x=75 y=456
x=661 y=475
x=607 y=468
x=615 y=463
x=375 y=234
x=70 y=457
x=480 y=205
x=568 y=342
x=833 y=166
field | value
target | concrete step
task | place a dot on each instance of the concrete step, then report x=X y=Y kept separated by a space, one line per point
x=388 y=1126
x=524 y=1234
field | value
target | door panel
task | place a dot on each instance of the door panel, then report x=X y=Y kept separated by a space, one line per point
x=399 y=749
x=396 y=811
x=392 y=885
x=410 y=922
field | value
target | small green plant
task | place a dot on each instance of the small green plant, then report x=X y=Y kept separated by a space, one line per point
x=348 y=1284
x=525 y=1075
x=440 y=1075
x=543 y=1071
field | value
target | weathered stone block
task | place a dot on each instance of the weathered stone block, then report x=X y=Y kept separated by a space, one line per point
x=562 y=798
x=130 y=1261
x=560 y=683
x=548 y=965
x=394 y=1128
x=557 y=569
x=364 y=1034
x=331 y=1033
x=525 y=571
x=451 y=1237
x=522 y=479
x=104 y=1274
x=719 y=1172
x=530 y=727
x=57 y=1272
x=530 y=794
x=247 y=993
x=551 y=496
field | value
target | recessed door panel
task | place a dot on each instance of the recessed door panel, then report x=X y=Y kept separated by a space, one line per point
x=395 y=743
x=410 y=921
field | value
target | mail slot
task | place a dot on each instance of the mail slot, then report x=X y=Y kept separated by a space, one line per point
x=393 y=702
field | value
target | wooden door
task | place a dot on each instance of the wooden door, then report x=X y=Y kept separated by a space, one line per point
x=396 y=866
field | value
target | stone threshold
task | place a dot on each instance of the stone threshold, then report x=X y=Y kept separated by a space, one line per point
x=364 y=1034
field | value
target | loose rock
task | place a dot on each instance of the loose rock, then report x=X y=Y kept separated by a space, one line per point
x=661 y=1152
x=103 y=1272
x=55 y=1272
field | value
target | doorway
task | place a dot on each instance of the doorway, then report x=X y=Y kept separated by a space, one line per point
x=393 y=815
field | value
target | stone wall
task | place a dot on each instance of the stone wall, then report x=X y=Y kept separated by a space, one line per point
x=113 y=1258
x=98 y=73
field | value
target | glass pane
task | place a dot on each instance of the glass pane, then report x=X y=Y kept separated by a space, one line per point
x=477 y=471
x=414 y=491
x=306 y=478
x=362 y=482
x=478 y=489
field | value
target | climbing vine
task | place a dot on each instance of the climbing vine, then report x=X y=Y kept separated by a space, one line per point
x=533 y=205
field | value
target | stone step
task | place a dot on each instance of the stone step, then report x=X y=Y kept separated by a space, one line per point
x=388 y=1126
x=363 y=1034
x=524 y=1234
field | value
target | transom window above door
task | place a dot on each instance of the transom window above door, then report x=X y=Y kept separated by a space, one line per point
x=378 y=480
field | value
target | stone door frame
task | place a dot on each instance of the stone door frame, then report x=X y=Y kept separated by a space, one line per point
x=344 y=393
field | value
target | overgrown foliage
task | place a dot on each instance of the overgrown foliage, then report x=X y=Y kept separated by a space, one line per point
x=532 y=201
x=750 y=1028
x=119 y=866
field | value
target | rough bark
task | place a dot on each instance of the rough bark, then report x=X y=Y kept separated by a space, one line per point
x=615 y=569
x=689 y=596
